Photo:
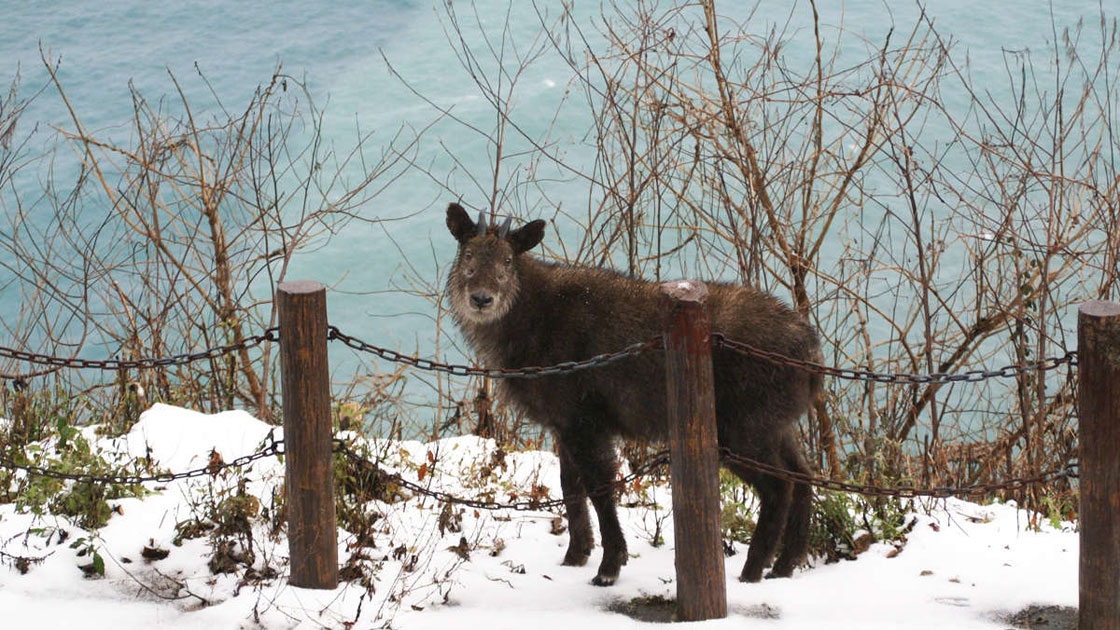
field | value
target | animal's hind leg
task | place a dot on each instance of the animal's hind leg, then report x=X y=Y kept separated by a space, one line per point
x=795 y=541
x=597 y=464
x=774 y=497
x=580 y=540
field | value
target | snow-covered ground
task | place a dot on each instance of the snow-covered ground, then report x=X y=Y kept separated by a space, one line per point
x=963 y=565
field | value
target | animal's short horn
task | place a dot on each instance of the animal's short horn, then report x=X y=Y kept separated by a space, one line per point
x=502 y=231
x=481 y=222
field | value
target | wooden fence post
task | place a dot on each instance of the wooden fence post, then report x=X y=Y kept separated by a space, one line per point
x=308 y=472
x=694 y=452
x=1098 y=359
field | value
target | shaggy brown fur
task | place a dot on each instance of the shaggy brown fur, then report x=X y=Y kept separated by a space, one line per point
x=518 y=311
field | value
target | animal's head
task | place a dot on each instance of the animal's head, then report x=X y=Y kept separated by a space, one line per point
x=486 y=279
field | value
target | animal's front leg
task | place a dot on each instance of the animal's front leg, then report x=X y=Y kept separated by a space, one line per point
x=580 y=540
x=595 y=460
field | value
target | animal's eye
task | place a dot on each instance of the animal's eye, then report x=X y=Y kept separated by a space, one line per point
x=468 y=254
x=509 y=260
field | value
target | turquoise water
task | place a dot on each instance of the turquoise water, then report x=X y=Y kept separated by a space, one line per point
x=340 y=49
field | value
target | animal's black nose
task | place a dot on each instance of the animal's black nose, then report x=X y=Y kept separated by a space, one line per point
x=481 y=300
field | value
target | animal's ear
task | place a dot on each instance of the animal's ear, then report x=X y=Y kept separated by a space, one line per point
x=527 y=236
x=459 y=223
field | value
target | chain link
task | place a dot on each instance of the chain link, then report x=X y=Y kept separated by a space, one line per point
x=1069 y=471
x=534 y=504
x=272 y=334
x=463 y=370
x=718 y=340
x=937 y=378
x=662 y=458
x=212 y=469
x=658 y=460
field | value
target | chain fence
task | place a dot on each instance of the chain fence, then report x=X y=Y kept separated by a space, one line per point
x=1069 y=471
x=273 y=449
x=212 y=468
x=466 y=370
x=658 y=460
x=718 y=341
x=936 y=378
x=115 y=365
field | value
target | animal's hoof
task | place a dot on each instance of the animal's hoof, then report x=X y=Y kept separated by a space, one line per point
x=779 y=573
x=604 y=580
x=575 y=560
x=750 y=578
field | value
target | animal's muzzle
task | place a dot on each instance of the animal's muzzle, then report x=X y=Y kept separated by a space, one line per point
x=481 y=299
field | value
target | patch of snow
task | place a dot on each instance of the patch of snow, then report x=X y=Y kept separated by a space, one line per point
x=180 y=439
x=962 y=567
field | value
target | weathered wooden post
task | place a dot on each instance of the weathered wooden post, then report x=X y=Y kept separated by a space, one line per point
x=694 y=452
x=305 y=384
x=1098 y=359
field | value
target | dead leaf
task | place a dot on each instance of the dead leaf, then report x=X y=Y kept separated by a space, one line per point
x=154 y=553
x=862 y=543
x=215 y=464
x=498 y=547
x=463 y=549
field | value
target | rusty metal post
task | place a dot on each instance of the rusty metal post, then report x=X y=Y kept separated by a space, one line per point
x=694 y=452
x=308 y=473
x=1098 y=359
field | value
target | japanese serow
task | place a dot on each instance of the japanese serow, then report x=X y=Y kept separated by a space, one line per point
x=516 y=310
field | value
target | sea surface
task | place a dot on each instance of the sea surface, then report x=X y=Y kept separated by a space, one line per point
x=364 y=64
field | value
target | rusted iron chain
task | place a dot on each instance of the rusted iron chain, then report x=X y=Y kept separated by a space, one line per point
x=662 y=458
x=334 y=333
x=463 y=370
x=1069 y=471
x=213 y=468
x=937 y=378
x=533 y=504
x=272 y=334
x=659 y=459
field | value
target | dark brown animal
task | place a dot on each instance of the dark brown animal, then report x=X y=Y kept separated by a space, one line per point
x=518 y=311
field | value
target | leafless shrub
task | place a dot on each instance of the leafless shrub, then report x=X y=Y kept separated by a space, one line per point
x=922 y=222
x=173 y=240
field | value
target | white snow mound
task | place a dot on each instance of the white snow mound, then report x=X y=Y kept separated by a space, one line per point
x=180 y=439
